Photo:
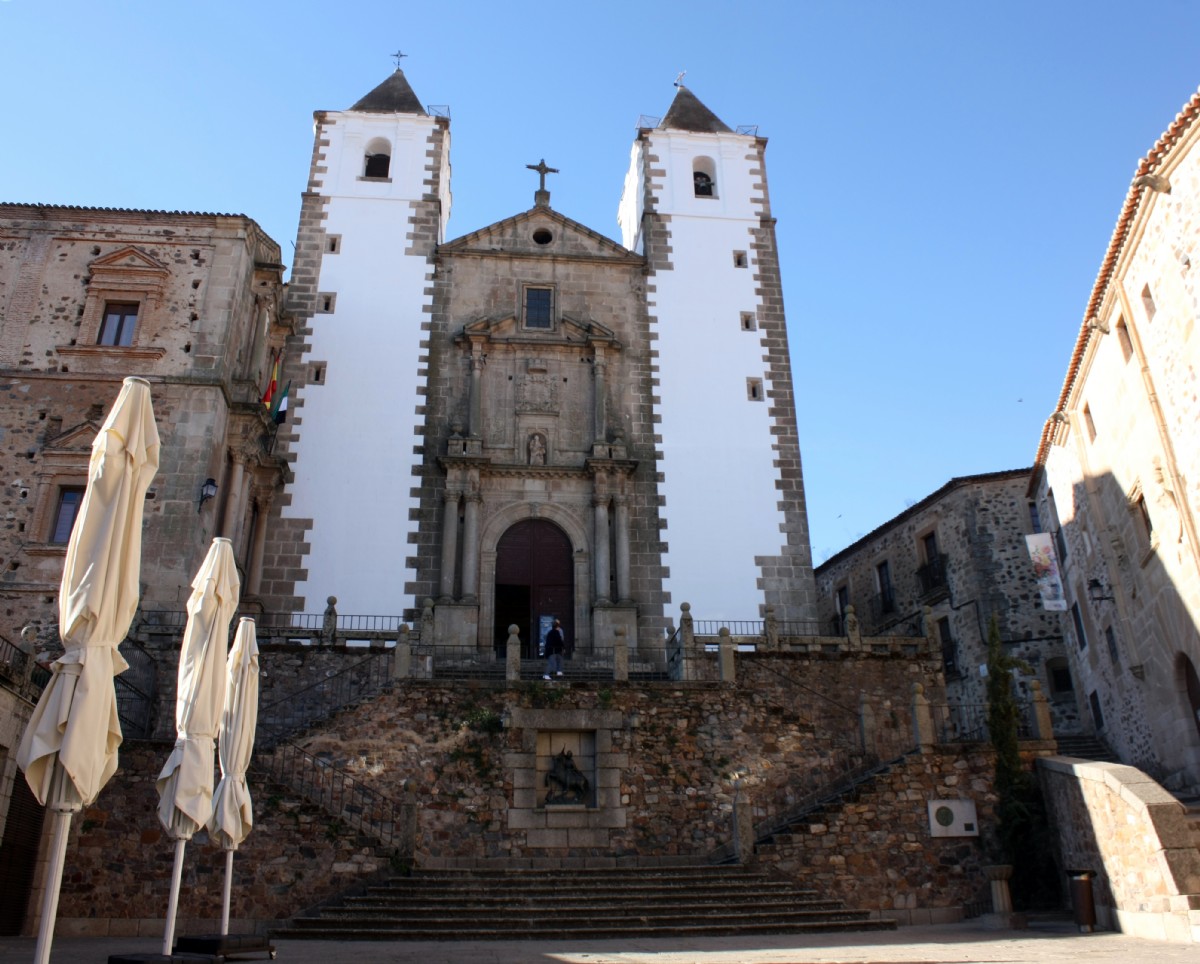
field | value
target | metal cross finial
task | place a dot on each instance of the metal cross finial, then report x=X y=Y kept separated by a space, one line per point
x=542 y=170
x=679 y=78
x=398 y=56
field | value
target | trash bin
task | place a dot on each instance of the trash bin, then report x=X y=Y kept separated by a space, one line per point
x=1082 y=899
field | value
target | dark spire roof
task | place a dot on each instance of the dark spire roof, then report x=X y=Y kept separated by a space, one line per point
x=393 y=96
x=688 y=114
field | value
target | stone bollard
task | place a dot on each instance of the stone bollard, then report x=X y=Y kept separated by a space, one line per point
x=329 y=623
x=620 y=656
x=923 y=730
x=866 y=723
x=1043 y=725
x=512 y=654
x=743 y=825
x=725 y=660
x=771 y=630
x=402 y=656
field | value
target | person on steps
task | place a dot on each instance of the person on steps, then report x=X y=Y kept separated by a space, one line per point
x=555 y=645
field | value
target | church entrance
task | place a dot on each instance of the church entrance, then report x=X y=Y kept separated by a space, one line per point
x=535 y=584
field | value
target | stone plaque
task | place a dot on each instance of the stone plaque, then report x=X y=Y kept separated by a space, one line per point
x=537 y=392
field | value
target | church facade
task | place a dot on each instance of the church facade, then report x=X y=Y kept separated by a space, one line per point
x=533 y=410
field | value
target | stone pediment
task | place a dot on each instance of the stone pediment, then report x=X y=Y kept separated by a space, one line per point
x=571 y=330
x=128 y=258
x=539 y=232
x=74 y=440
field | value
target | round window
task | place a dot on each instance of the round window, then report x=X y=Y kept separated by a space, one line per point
x=542 y=236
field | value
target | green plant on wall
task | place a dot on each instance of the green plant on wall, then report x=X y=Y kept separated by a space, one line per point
x=1022 y=828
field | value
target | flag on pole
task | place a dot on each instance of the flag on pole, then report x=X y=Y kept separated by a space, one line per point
x=279 y=410
x=269 y=394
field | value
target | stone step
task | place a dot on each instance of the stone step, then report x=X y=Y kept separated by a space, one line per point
x=1086 y=747
x=579 y=904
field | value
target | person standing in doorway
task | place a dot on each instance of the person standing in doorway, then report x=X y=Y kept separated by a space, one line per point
x=555 y=645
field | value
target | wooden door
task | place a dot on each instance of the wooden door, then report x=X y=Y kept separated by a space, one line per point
x=535 y=583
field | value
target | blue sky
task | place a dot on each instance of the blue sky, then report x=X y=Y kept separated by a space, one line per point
x=946 y=175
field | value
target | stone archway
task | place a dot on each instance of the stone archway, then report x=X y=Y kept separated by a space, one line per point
x=534 y=584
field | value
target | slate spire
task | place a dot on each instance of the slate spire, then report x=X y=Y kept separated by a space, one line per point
x=393 y=96
x=688 y=114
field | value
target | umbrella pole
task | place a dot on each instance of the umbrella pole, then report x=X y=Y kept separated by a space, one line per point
x=58 y=856
x=173 y=905
x=228 y=890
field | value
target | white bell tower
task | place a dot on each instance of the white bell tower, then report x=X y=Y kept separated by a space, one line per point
x=377 y=203
x=696 y=206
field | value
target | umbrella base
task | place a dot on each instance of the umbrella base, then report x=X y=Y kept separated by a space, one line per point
x=226 y=946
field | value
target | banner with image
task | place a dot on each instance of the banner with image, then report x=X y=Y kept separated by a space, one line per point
x=1045 y=570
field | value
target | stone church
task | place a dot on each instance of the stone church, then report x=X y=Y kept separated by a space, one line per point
x=543 y=402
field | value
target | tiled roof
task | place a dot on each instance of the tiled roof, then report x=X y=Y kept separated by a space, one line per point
x=85 y=208
x=1148 y=164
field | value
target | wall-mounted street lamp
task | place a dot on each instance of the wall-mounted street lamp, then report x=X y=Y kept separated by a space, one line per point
x=1096 y=591
x=207 y=491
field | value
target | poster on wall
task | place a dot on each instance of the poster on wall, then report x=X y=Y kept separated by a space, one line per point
x=1045 y=570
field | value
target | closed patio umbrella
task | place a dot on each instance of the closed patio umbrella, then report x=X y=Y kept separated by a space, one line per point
x=185 y=785
x=233 y=814
x=69 y=749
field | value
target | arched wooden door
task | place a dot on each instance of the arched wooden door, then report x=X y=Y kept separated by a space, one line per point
x=535 y=584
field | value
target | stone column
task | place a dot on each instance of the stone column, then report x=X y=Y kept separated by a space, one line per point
x=449 y=542
x=1043 y=725
x=475 y=417
x=624 y=593
x=470 y=573
x=258 y=543
x=600 y=503
x=233 y=500
x=600 y=415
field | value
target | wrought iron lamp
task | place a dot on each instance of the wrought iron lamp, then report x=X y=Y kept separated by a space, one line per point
x=207 y=491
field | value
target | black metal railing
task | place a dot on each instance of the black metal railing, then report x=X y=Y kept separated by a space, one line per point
x=931 y=577
x=342 y=794
x=881 y=607
x=137 y=690
x=281 y=624
x=20 y=670
x=301 y=708
x=968 y=722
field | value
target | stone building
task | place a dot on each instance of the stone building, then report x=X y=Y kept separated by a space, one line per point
x=542 y=402
x=1117 y=474
x=88 y=296
x=960 y=553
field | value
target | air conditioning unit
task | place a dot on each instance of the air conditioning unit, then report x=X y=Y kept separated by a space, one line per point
x=953 y=818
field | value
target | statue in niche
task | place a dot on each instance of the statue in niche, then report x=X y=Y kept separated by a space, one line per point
x=567 y=784
x=537 y=449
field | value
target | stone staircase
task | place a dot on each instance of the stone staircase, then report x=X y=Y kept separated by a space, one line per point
x=688 y=901
x=1086 y=746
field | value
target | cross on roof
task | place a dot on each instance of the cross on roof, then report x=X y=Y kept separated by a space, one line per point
x=679 y=78
x=542 y=170
x=398 y=56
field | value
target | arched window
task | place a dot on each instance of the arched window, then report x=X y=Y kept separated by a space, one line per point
x=704 y=177
x=378 y=159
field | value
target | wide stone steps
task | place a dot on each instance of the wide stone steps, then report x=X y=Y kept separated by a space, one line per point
x=586 y=904
x=1086 y=747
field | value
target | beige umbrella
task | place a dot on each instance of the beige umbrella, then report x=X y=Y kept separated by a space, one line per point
x=185 y=785
x=233 y=815
x=69 y=750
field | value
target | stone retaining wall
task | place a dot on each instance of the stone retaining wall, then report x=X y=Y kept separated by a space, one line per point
x=1117 y=822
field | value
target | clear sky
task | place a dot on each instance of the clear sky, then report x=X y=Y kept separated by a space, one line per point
x=946 y=175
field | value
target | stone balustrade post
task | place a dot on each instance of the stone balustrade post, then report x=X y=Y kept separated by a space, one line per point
x=725 y=658
x=402 y=655
x=512 y=655
x=771 y=629
x=620 y=656
x=427 y=623
x=1043 y=724
x=923 y=732
x=852 y=631
x=687 y=640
